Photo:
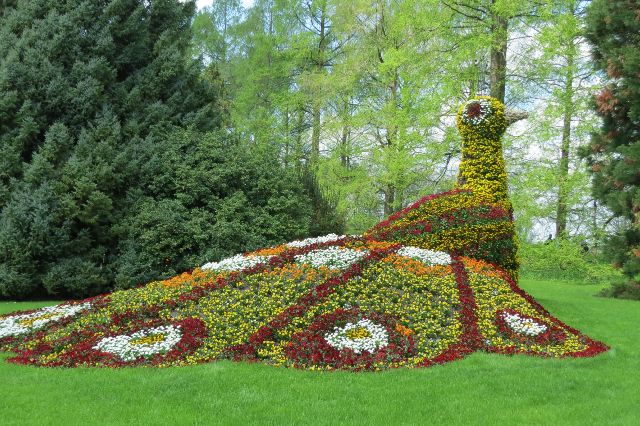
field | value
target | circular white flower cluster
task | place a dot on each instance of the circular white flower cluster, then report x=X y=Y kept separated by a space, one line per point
x=20 y=324
x=145 y=342
x=235 y=263
x=316 y=240
x=521 y=325
x=377 y=337
x=484 y=107
x=331 y=257
x=429 y=257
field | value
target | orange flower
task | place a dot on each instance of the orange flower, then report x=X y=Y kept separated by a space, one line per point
x=404 y=330
x=416 y=267
x=269 y=251
x=178 y=280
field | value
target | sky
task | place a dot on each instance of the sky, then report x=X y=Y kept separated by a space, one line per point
x=204 y=3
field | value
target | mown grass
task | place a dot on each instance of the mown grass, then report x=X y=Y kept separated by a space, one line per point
x=481 y=389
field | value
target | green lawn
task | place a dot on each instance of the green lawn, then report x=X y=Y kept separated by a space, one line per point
x=481 y=389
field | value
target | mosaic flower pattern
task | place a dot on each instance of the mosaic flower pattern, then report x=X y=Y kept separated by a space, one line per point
x=476 y=111
x=360 y=336
x=356 y=305
x=235 y=263
x=332 y=257
x=143 y=343
x=476 y=218
x=21 y=324
x=350 y=339
x=316 y=240
x=429 y=257
x=523 y=325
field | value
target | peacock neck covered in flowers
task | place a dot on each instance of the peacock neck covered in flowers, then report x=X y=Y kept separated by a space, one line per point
x=481 y=122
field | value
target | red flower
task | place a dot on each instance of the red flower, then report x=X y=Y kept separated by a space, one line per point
x=552 y=335
x=310 y=348
x=82 y=343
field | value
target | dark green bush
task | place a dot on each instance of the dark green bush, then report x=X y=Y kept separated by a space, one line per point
x=623 y=290
x=207 y=197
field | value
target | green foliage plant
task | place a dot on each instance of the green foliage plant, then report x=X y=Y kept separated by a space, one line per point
x=613 y=153
x=566 y=260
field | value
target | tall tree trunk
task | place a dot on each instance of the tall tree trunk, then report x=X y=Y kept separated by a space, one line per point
x=473 y=81
x=563 y=172
x=287 y=137
x=389 y=200
x=297 y=155
x=345 y=158
x=498 y=65
x=315 y=133
x=594 y=225
x=316 y=110
x=225 y=14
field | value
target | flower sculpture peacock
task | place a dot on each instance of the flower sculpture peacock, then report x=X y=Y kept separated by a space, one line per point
x=431 y=284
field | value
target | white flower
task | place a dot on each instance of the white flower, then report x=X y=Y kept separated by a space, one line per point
x=481 y=109
x=236 y=263
x=316 y=240
x=525 y=326
x=363 y=335
x=21 y=324
x=145 y=342
x=332 y=257
x=427 y=256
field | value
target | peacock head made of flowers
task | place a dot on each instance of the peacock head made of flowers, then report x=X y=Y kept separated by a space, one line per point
x=482 y=116
x=430 y=284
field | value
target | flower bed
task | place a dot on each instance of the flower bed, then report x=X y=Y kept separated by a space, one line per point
x=16 y=325
x=352 y=303
x=351 y=339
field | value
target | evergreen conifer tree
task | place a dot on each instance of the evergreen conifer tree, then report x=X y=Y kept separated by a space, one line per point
x=614 y=152
x=87 y=88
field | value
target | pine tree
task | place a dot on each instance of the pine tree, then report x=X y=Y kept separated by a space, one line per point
x=614 y=152
x=85 y=88
x=114 y=169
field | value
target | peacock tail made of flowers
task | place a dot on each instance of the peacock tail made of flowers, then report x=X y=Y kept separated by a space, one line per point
x=430 y=284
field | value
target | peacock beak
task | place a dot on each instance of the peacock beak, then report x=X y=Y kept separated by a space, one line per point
x=511 y=116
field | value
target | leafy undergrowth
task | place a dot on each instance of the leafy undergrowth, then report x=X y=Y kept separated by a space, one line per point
x=565 y=260
x=480 y=389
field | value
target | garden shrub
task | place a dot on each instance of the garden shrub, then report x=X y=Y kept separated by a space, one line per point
x=85 y=88
x=456 y=221
x=207 y=196
x=623 y=289
x=476 y=219
x=565 y=260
